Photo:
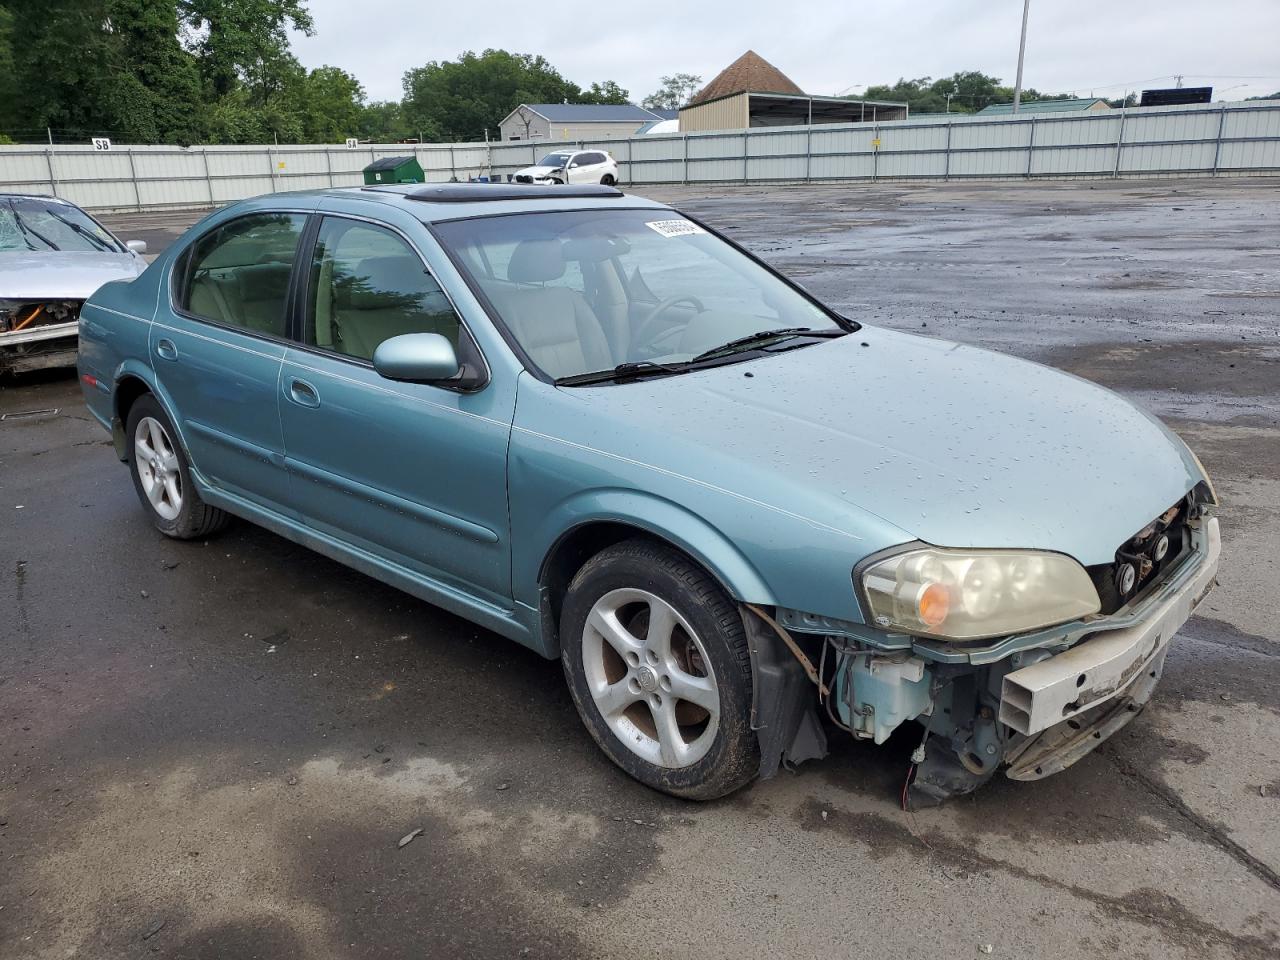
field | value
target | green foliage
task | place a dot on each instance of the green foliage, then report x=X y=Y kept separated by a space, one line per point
x=607 y=92
x=383 y=122
x=221 y=71
x=1269 y=96
x=970 y=92
x=461 y=99
x=675 y=92
x=244 y=43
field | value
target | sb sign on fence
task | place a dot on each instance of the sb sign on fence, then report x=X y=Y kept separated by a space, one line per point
x=101 y=143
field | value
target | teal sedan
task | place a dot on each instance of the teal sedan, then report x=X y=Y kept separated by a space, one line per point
x=743 y=522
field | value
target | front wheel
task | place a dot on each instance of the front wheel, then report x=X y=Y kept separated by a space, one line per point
x=656 y=659
x=162 y=478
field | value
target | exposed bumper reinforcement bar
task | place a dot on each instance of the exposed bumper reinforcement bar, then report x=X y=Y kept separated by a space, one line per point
x=1100 y=669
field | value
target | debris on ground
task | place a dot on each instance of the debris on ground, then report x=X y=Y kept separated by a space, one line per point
x=408 y=838
x=154 y=929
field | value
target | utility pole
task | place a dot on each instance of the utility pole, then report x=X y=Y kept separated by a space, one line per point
x=949 y=96
x=1022 y=52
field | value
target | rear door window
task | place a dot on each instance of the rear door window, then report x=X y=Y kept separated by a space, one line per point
x=238 y=273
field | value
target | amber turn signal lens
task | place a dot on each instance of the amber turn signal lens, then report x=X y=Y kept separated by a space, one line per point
x=935 y=603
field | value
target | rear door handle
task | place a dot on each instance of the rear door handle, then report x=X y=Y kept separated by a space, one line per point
x=303 y=393
x=165 y=349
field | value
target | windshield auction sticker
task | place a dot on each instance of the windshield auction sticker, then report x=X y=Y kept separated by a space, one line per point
x=674 y=228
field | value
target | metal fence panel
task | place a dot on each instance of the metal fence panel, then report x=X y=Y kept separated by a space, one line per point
x=1231 y=138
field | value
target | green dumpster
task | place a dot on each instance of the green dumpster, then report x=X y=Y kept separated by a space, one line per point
x=394 y=170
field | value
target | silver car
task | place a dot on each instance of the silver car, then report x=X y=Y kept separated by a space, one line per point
x=53 y=255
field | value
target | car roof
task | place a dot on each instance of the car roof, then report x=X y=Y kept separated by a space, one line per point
x=453 y=201
x=37 y=196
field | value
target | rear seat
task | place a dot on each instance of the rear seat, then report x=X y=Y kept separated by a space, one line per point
x=252 y=297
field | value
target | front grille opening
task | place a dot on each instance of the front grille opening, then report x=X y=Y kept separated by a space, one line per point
x=16 y=317
x=1144 y=560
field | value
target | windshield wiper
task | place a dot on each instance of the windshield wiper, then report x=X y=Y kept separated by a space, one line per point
x=762 y=337
x=29 y=231
x=94 y=238
x=623 y=372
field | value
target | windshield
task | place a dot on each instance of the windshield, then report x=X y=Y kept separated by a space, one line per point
x=29 y=223
x=586 y=290
x=553 y=160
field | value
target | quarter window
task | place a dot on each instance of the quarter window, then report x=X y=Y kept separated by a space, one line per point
x=368 y=285
x=238 y=274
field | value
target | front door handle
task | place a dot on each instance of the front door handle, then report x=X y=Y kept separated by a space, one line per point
x=165 y=349
x=303 y=393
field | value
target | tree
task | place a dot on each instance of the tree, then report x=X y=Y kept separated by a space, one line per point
x=382 y=122
x=1269 y=96
x=244 y=42
x=607 y=92
x=461 y=99
x=330 y=104
x=8 y=83
x=676 y=90
x=153 y=92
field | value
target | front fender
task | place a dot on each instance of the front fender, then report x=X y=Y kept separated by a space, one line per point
x=651 y=514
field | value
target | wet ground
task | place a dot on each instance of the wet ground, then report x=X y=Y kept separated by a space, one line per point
x=212 y=749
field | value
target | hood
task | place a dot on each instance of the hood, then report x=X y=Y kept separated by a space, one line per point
x=62 y=274
x=953 y=445
x=537 y=171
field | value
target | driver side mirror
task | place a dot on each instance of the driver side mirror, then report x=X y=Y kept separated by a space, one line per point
x=136 y=246
x=416 y=358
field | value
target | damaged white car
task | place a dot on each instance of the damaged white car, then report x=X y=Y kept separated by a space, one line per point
x=53 y=255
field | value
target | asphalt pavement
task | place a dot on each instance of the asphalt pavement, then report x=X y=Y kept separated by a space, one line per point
x=213 y=749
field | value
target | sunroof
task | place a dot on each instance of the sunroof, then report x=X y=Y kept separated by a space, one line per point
x=480 y=192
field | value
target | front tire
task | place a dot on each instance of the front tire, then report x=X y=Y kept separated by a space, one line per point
x=656 y=659
x=162 y=477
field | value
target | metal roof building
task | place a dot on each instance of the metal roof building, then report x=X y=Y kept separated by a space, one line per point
x=752 y=92
x=574 y=121
x=1082 y=105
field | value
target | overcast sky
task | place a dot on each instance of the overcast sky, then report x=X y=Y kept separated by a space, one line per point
x=1098 y=47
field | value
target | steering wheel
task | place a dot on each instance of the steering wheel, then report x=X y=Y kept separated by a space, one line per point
x=645 y=327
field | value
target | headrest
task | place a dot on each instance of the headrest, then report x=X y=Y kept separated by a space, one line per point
x=380 y=283
x=536 y=261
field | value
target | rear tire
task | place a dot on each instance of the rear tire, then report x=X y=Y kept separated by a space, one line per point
x=656 y=659
x=162 y=478
x=608 y=180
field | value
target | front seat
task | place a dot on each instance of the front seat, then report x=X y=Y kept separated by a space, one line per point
x=555 y=325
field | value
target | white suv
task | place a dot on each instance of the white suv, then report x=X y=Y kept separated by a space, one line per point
x=571 y=166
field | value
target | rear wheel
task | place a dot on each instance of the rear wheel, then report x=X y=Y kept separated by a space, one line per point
x=608 y=180
x=162 y=478
x=656 y=659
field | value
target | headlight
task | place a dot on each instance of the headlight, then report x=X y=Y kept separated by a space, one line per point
x=974 y=594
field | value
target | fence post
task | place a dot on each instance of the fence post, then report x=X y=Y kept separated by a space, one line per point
x=1031 y=146
x=328 y=165
x=1217 y=147
x=684 y=176
x=133 y=178
x=946 y=154
x=208 y=178
x=808 y=148
x=875 y=149
x=1115 y=171
x=271 y=163
x=745 y=169
x=53 y=181
x=453 y=165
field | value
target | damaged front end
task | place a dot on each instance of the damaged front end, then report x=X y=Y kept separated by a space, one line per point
x=1031 y=702
x=36 y=334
